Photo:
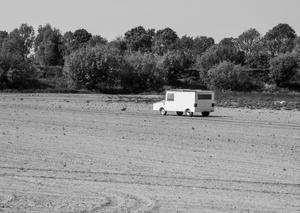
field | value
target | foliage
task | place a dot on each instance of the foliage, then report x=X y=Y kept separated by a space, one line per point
x=148 y=74
x=49 y=46
x=139 y=39
x=146 y=59
x=164 y=40
x=119 y=43
x=68 y=41
x=202 y=44
x=93 y=68
x=297 y=45
x=280 y=39
x=249 y=42
x=259 y=60
x=80 y=38
x=15 y=64
x=97 y=40
x=227 y=76
x=283 y=68
x=3 y=36
x=174 y=63
x=19 y=42
x=185 y=43
x=15 y=73
x=227 y=51
x=197 y=46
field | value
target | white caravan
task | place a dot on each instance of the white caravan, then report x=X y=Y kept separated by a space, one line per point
x=186 y=102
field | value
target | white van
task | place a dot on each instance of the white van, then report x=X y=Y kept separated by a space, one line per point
x=186 y=102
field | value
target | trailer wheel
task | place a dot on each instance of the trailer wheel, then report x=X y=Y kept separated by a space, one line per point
x=205 y=114
x=189 y=113
x=162 y=111
x=179 y=113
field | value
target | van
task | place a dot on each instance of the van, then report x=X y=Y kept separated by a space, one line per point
x=186 y=102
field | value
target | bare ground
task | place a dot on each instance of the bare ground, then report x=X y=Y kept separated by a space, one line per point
x=95 y=153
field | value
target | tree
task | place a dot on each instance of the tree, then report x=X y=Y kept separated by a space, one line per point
x=49 y=46
x=82 y=36
x=94 y=68
x=97 y=40
x=208 y=59
x=297 y=45
x=260 y=60
x=174 y=63
x=3 y=36
x=119 y=43
x=280 y=39
x=19 y=42
x=227 y=51
x=139 y=39
x=164 y=40
x=73 y=41
x=69 y=43
x=249 y=42
x=15 y=64
x=201 y=44
x=228 y=76
x=148 y=75
x=283 y=68
x=185 y=43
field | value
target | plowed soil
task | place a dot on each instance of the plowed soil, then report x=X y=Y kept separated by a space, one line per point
x=99 y=153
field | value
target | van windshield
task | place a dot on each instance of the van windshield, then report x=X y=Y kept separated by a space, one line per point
x=204 y=96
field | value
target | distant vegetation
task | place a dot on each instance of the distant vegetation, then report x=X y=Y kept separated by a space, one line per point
x=148 y=60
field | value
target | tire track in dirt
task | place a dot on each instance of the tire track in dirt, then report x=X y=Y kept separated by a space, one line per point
x=224 y=119
x=156 y=180
x=18 y=169
x=104 y=124
x=104 y=202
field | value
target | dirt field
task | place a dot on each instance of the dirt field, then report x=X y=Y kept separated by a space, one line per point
x=99 y=153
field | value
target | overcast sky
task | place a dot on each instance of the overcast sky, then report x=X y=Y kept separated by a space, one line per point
x=112 y=18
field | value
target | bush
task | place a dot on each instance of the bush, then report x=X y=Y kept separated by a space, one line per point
x=284 y=68
x=174 y=63
x=146 y=71
x=16 y=73
x=227 y=76
x=3 y=79
x=93 y=68
x=104 y=69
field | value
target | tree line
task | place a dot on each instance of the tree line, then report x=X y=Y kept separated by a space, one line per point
x=148 y=59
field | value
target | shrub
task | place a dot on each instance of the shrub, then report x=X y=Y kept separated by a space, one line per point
x=16 y=73
x=146 y=71
x=93 y=68
x=174 y=63
x=227 y=76
x=284 y=68
x=104 y=69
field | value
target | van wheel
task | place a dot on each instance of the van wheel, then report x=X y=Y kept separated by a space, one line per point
x=189 y=113
x=205 y=114
x=162 y=111
x=179 y=113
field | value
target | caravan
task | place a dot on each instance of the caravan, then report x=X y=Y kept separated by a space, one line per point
x=188 y=102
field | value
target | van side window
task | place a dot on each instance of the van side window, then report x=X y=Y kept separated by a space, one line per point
x=204 y=97
x=170 y=96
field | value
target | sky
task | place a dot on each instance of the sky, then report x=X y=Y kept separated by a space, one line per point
x=112 y=18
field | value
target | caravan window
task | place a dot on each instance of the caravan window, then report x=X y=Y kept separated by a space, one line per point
x=170 y=96
x=204 y=96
